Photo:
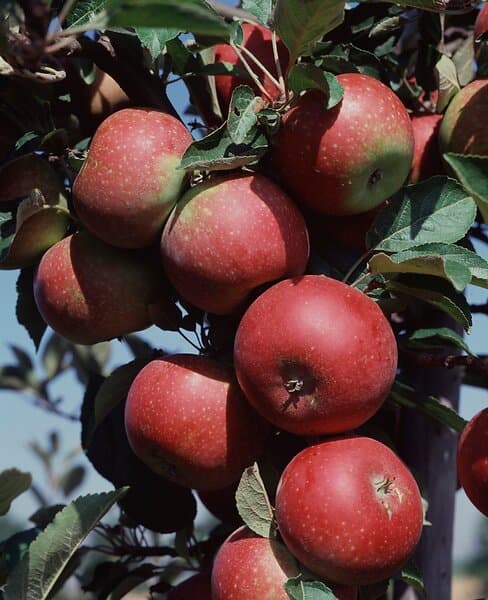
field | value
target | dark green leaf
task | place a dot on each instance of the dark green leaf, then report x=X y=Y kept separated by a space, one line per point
x=154 y=40
x=35 y=577
x=436 y=210
x=72 y=479
x=26 y=309
x=12 y=483
x=434 y=291
x=23 y=359
x=298 y=588
x=411 y=575
x=464 y=61
x=242 y=116
x=404 y=395
x=438 y=337
x=269 y=119
x=185 y=15
x=253 y=504
x=300 y=24
x=447 y=82
x=218 y=151
x=29 y=142
x=261 y=9
x=385 y=26
x=455 y=263
x=472 y=172
x=53 y=354
x=307 y=76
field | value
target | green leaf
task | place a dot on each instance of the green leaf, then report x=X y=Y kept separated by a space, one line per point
x=299 y=589
x=242 y=113
x=253 y=504
x=300 y=24
x=12 y=483
x=454 y=263
x=37 y=573
x=440 y=6
x=411 y=575
x=435 y=210
x=71 y=479
x=437 y=337
x=464 y=61
x=85 y=11
x=28 y=142
x=386 y=25
x=434 y=291
x=26 y=309
x=261 y=9
x=185 y=15
x=403 y=394
x=217 y=151
x=154 y=40
x=307 y=76
x=269 y=119
x=447 y=82
x=472 y=172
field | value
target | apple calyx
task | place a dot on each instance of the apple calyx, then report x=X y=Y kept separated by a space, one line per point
x=375 y=177
x=385 y=487
x=294 y=385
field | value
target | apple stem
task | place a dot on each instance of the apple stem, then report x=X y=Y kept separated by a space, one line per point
x=360 y=279
x=294 y=384
x=357 y=264
x=251 y=73
x=283 y=86
x=260 y=65
x=384 y=485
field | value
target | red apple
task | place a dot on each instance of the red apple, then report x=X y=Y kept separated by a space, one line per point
x=187 y=419
x=426 y=156
x=249 y=567
x=315 y=356
x=88 y=291
x=195 y=588
x=222 y=503
x=350 y=158
x=130 y=181
x=349 y=510
x=257 y=40
x=472 y=460
x=464 y=128
x=480 y=25
x=229 y=235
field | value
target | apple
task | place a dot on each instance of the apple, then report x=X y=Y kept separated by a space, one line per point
x=315 y=356
x=88 y=291
x=349 y=231
x=426 y=156
x=256 y=39
x=20 y=176
x=187 y=419
x=248 y=567
x=480 y=26
x=195 y=588
x=230 y=235
x=349 y=510
x=472 y=460
x=350 y=158
x=130 y=181
x=464 y=128
x=222 y=503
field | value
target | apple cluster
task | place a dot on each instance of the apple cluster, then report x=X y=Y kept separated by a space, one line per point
x=312 y=356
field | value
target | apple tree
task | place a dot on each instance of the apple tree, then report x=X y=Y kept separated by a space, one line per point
x=308 y=219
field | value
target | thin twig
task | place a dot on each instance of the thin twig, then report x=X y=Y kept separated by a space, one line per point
x=251 y=73
x=283 y=84
x=260 y=65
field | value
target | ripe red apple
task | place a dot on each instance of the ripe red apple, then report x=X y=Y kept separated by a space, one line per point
x=257 y=39
x=195 y=588
x=350 y=158
x=472 y=460
x=480 y=25
x=229 y=235
x=187 y=419
x=426 y=156
x=464 y=128
x=349 y=510
x=248 y=567
x=130 y=182
x=315 y=356
x=222 y=503
x=88 y=291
